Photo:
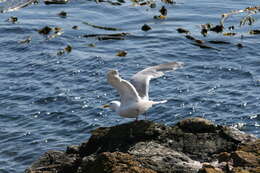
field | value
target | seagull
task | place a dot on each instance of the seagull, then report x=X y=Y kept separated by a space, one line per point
x=134 y=94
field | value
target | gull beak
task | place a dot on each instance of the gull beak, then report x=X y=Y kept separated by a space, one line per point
x=105 y=106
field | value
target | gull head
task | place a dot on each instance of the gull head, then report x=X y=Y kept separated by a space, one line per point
x=113 y=105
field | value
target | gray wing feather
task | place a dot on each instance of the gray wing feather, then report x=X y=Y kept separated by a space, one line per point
x=142 y=79
x=125 y=89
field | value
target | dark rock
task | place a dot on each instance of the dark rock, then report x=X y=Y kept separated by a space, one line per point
x=163 y=159
x=223 y=157
x=210 y=170
x=242 y=158
x=121 y=137
x=72 y=149
x=197 y=125
x=113 y=162
x=192 y=145
x=55 y=161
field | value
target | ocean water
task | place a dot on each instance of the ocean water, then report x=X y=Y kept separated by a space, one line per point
x=50 y=98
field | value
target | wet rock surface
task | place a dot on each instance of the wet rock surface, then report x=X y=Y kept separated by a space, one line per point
x=192 y=145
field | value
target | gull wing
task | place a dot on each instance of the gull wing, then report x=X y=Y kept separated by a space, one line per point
x=126 y=90
x=142 y=79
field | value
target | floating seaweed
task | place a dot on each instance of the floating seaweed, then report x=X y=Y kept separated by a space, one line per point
x=121 y=53
x=253 y=32
x=26 y=40
x=12 y=19
x=183 y=31
x=247 y=20
x=217 y=28
x=204 y=46
x=117 y=36
x=204 y=32
x=63 y=14
x=45 y=30
x=146 y=27
x=229 y=34
x=153 y=5
x=199 y=41
x=239 y=45
x=122 y=34
x=169 y=1
x=218 y=42
x=47 y=2
x=163 y=11
x=67 y=49
x=57 y=32
x=101 y=27
x=159 y=17
x=91 y=45
x=18 y=5
x=190 y=37
x=249 y=10
x=75 y=27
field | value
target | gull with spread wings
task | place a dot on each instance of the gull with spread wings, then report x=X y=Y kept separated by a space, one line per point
x=134 y=94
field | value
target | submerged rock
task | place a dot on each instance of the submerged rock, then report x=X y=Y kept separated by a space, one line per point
x=192 y=145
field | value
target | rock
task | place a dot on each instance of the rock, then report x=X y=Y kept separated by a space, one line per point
x=163 y=159
x=72 y=149
x=193 y=145
x=197 y=125
x=253 y=147
x=55 y=161
x=210 y=170
x=121 y=137
x=242 y=158
x=223 y=157
x=116 y=162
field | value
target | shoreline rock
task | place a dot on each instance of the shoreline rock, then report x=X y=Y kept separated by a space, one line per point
x=194 y=145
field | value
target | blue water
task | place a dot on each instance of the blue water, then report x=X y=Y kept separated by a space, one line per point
x=49 y=101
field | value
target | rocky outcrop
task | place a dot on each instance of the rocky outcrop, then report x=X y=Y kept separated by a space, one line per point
x=193 y=145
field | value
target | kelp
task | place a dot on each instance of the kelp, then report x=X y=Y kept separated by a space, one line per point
x=253 y=32
x=218 y=42
x=229 y=34
x=163 y=11
x=101 y=27
x=57 y=31
x=183 y=31
x=146 y=27
x=12 y=19
x=47 y=2
x=116 y=36
x=26 y=40
x=204 y=46
x=121 y=53
x=12 y=5
x=67 y=49
x=249 y=10
x=160 y=17
x=62 y=14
